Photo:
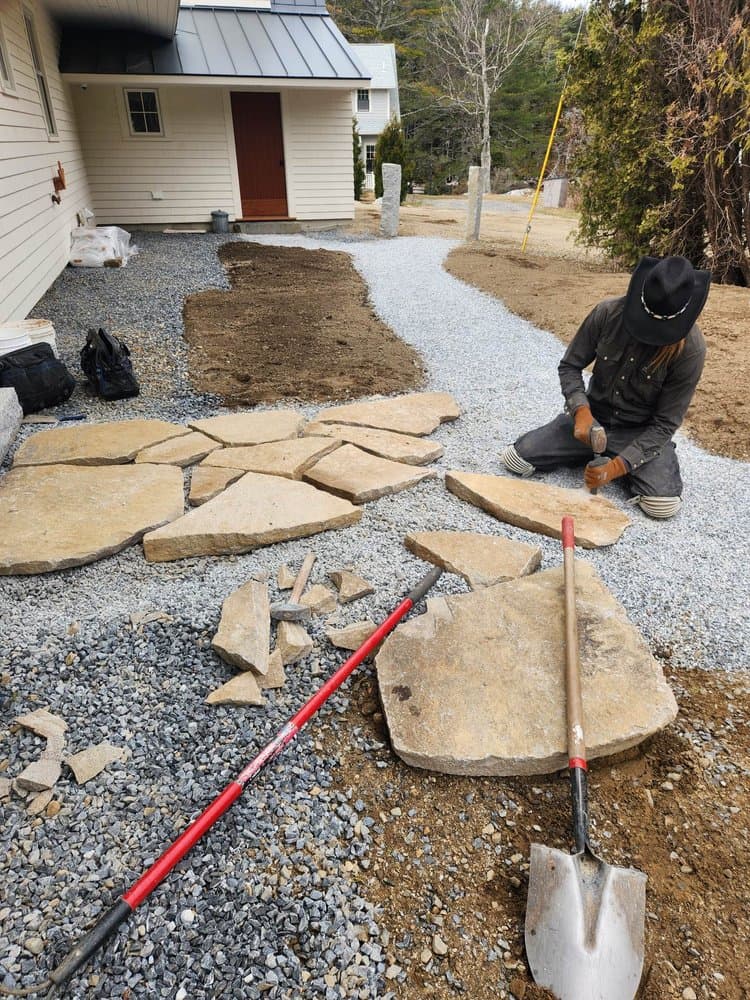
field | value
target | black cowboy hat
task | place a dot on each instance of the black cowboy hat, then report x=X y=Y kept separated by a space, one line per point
x=664 y=299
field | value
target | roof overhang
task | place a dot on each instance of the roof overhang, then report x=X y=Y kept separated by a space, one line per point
x=235 y=82
x=157 y=17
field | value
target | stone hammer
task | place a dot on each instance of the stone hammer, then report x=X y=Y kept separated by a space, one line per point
x=598 y=442
x=292 y=610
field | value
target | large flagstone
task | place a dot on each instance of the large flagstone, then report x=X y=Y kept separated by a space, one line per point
x=476 y=685
x=187 y=449
x=388 y=444
x=540 y=507
x=359 y=476
x=58 y=516
x=275 y=458
x=416 y=413
x=253 y=427
x=257 y=510
x=481 y=560
x=111 y=443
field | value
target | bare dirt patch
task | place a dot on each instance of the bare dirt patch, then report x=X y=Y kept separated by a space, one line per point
x=450 y=855
x=296 y=324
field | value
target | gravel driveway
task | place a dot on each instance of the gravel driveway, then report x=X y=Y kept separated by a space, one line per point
x=267 y=907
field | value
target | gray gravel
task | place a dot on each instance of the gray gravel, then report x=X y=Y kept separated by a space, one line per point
x=266 y=907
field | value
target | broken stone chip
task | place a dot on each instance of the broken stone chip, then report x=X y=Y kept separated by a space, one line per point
x=481 y=560
x=40 y=775
x=319 y=599
x=276 y=677
x=92 y=761
x=293 y=642
x=240 y=690
x=351 y=636
x=285 y=578
x=244 y=630
x=350 y=586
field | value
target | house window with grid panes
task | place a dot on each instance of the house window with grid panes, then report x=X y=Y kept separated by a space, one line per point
x=370 y=157
x=6 y=73
x=41 y=76
x=143 y=112
x=363 y=100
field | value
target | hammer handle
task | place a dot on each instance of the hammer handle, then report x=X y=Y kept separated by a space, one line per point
x=302 y=576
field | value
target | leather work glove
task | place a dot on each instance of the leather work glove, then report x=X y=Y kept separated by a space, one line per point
x=599 y=475
x=583 y=421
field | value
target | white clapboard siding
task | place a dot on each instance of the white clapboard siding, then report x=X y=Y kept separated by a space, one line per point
x=191 y=164
x=34 y=232
x=318 y=150
x=373 y=122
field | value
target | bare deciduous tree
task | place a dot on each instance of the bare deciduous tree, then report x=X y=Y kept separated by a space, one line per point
x=475 y=43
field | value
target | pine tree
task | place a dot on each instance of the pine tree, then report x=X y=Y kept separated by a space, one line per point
x=359 y=167
x=391 y=148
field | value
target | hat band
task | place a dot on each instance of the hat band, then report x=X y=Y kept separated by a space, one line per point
x=654 y=315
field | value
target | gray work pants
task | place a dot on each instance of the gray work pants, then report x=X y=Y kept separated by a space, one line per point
x=554 y=444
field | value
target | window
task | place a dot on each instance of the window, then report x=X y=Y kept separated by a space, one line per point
x=363 y=100
x=143 y=112
x=6 y=74
x=41 y=77
x=370 y=158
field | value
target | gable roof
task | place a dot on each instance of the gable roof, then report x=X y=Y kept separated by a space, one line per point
x=379 y=59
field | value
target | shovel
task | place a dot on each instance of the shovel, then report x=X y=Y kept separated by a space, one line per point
x=584 y=918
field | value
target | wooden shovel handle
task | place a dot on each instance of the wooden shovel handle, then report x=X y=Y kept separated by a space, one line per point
x=302 y=577
x=574 y=703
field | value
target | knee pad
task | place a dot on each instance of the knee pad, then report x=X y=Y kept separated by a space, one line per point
x=659 y=507
x=514 y=463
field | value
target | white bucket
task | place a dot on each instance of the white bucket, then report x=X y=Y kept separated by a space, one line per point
x=24 y=332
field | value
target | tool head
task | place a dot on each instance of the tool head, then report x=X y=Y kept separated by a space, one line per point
x=289 y=611
x=584 y=925
x=598 y=439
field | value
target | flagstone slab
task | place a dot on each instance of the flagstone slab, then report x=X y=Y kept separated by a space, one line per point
x=359 y=476
x=240 y=690
x=481 y=560
x=350 y=586
x=477 y=684
x=416 y=413
x=292 y=642
x=112 y=443
x=320 y=599
x=276 y=458
x=541 y=508
x=208 y=481
x=93 y=760
x=276 y=676
x=388 y=444
x=253 y=427
x=58 y=516
x=256 y=510
x=244 y=634
x=351 y=636
x=183 y=451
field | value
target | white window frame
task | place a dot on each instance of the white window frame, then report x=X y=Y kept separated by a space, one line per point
x=7 y=80
x=143 y=135
x=37 y=65
x=363 y=93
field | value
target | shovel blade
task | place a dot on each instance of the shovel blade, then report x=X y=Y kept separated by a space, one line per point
x=584 y=925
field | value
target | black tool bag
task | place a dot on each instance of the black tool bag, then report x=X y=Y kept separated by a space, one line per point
x=39 y=378
x=106 y=363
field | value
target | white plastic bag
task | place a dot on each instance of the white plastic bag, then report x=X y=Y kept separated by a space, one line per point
x=99 y=246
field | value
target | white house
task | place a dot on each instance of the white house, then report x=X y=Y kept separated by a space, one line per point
x=376 y=104
x=157 y=114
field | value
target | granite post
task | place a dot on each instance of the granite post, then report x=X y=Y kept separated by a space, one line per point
x=474 y=212
x=391 y=199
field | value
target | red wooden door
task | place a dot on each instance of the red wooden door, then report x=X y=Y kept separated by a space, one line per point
x=260 y=155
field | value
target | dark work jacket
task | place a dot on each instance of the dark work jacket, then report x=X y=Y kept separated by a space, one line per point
x=623 y=392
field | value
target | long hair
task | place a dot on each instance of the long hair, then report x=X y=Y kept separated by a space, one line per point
x=666 y=355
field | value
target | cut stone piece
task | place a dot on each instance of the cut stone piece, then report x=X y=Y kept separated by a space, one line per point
x=285 y=578
x=11 y=416
x=276 y=677
x=350 y=586
x=319 y=599
x=481 y=560
x=240 y=690
x=112 y=443
x=416 y=413
x=351 y=636
x=207 y=482
x=355 y=474
x=388 y=444
x=58 y=516
x=245 y=628
x=239 y=429
x=293 y=642
x=257 y=510
x=276 y=458
x=5 y=785
x=40 y=775
x=43 y=723
x=183 y=451
x=40 y=802
x=92 y=761
x=477 y=684
x=539 y=507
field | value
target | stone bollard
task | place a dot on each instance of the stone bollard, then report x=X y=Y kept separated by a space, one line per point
x=391 y=199
x=474 y=211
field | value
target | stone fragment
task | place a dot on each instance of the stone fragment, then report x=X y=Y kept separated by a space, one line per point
x=416 y=413
x=112 y=443
x=275 y=677
x=481 y=560
x=11 y=416
x=351 y=636
x=256 y=510
x=207 y=481
x=92 y=761
x=40 y=802
x=39 y=775
x=319 y=599
x=53 y=808
x=390 y=203
x=5 y=785
x=388 y=444
x=350 y=586
x=43 y=723
x=60 y=516
x=239 y=429
x=276 y=458
x=539 y=507
x=480 y=688
x=183 y=451
x=240 y=690
x=245 y=628
x=355 y=474
x=285 y=578
x=293 y=642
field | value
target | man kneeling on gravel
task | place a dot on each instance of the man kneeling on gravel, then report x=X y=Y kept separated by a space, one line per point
x=648 y=357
